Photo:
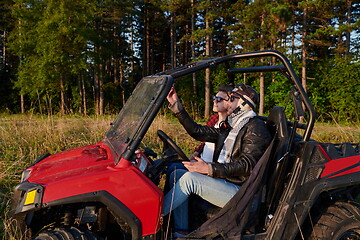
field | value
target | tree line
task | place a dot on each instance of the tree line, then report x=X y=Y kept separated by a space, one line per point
x=62 y=56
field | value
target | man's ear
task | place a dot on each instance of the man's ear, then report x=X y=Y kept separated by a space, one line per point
x=244 y=106
x=241 y=104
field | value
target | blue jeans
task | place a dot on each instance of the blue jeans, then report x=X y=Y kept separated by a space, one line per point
x=172 y=167
x=214 y=190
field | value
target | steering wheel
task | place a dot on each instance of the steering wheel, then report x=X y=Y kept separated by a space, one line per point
x=171 y=144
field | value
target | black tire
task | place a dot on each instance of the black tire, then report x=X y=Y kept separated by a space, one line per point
x=66 y=233
x=340 y=221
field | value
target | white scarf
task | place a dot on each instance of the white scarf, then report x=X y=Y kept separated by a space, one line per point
x=237 y=122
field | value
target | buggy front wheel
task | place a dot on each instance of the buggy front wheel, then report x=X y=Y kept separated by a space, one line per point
x=65 y=233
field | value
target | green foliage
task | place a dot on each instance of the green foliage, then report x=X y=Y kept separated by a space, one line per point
x=185 y=88
x=220 y=77
x=278 y=93
x=80 y=51
x=336 y=90
x=261 y=25
x=51 y=37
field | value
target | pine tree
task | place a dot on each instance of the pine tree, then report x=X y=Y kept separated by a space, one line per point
x=50 y=40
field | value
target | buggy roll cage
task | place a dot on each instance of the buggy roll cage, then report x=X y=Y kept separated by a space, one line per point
x=286 y=68
x=172 y=74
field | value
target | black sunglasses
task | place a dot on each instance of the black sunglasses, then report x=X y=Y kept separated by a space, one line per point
x=232 y=98
x=219 y=99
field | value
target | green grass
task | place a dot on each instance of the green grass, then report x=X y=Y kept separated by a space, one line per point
x=23 y=138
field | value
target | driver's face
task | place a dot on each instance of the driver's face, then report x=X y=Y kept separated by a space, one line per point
x=222 y=105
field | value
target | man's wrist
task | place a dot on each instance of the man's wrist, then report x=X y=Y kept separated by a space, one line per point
x=176 y=107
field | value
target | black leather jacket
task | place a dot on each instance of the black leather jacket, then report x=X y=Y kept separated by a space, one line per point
x=250 y=144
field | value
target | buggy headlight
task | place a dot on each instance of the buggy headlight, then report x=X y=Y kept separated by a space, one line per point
x=28 y=197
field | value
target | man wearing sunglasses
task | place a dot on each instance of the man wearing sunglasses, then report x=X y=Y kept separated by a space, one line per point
x=220 y=106
x=240 y=142
x=205 y=150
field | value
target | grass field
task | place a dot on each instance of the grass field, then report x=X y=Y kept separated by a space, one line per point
x=23 y=138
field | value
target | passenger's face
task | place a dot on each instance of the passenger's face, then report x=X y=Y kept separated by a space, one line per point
x=223 y=104
x=233 y=104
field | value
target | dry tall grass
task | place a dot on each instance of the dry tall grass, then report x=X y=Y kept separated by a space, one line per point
x=336 y=133
x=23 y=138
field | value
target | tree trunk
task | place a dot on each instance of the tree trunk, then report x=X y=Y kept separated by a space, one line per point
x=96 y=91
x=62 y=95
x=132 y=65
x=348 y=23
x=83 y=94
x=173 y=41
x=187 y=46
x=122 y=77
x=304 y=53
x=262 y=78
x=147 y=42
x=80 y=110
x=304 y=49
x=207 y=72
x=115 y=58
x=132 y=47
x=293 y=41
x=4 y=50
x=262 y=93
x=101 y=90
x=193 y=57
x=49 y=105
x=207 y=93
x=22 y=103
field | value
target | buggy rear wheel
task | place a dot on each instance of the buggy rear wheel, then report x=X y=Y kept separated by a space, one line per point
x=66 y=233
x=340 y=221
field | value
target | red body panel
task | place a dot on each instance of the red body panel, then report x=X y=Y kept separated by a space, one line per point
x=91 y=168
x=340 y=166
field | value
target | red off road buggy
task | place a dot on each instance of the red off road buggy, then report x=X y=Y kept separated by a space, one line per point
x=304 y=189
